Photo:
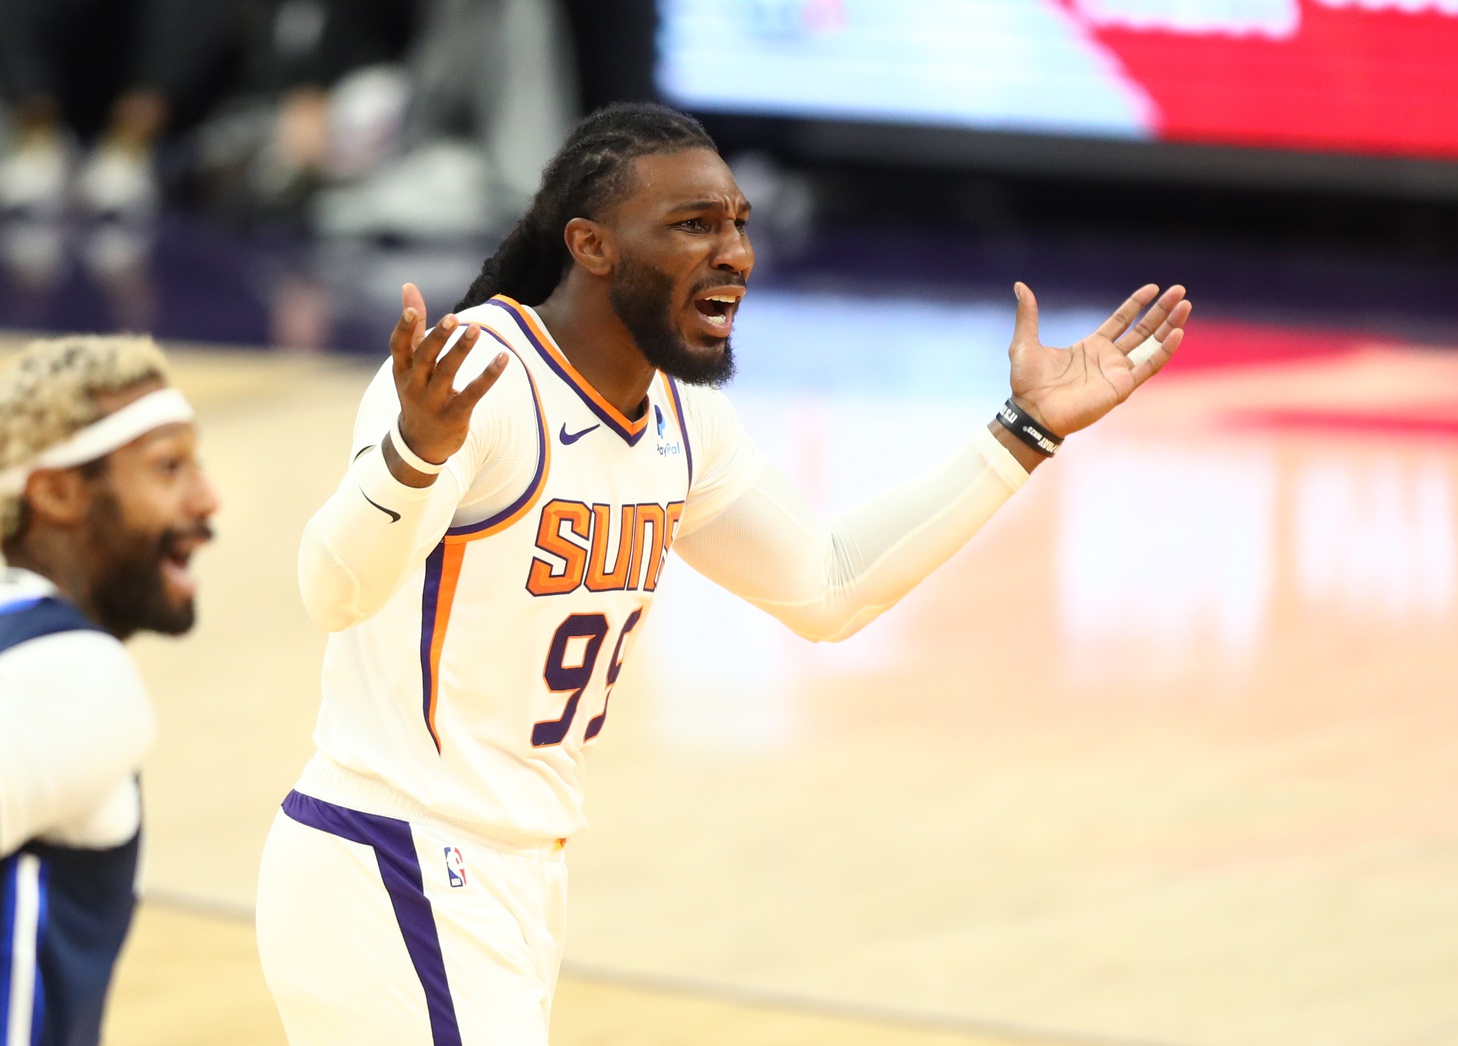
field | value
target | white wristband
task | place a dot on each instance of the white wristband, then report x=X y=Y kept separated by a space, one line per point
x=414 y=460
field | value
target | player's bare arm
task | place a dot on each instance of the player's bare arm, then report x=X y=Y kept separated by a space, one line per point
x=1065 y=390
x=435 y=416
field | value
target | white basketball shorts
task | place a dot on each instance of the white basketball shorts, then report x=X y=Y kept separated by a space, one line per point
x=375 y=931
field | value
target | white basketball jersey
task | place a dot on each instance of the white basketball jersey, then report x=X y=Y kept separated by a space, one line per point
x=478 y=687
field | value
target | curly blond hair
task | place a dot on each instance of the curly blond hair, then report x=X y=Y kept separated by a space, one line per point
x=49 y=393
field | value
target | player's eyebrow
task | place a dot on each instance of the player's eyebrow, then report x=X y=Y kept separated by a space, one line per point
x=709 y=205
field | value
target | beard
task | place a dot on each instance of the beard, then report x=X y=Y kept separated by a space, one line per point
x=642 y=296
x=129 y=594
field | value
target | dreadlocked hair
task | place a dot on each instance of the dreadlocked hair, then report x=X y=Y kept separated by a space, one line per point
x=593 y=168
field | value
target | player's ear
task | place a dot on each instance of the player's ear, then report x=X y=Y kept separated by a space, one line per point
x=57 y=497
x=591 y=245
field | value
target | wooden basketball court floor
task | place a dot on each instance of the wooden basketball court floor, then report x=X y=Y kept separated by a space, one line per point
x=1167 y=755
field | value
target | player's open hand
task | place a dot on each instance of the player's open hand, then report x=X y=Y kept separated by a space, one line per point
x=435 y=416
x=1070 y=389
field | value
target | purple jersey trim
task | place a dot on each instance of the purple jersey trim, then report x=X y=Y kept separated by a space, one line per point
x=394 y=848
x=688 y=451
x=429 y=602
x=607 y=419
x=536 y=483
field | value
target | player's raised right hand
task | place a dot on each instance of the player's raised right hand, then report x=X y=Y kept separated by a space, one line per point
x=435 y=416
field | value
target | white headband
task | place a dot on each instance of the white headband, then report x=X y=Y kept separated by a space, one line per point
x=117 y=429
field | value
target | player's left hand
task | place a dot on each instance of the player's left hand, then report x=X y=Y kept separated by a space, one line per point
x=1069 y=389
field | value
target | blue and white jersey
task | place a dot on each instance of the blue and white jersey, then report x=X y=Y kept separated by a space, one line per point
x=75 y=723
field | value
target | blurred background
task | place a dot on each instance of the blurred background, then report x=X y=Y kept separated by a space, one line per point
x=1165 y=756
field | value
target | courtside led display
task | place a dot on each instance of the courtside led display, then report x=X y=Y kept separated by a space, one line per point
x=1376 y=77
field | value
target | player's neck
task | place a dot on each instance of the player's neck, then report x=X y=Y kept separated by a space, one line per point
x=54 y=557
x=590 y=334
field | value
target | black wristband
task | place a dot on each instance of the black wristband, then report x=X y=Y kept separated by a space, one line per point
x=1017 y=421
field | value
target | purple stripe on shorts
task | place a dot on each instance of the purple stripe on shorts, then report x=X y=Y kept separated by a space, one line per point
x=395 y=851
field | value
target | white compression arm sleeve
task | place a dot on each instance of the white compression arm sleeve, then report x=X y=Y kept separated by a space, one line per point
x=75 y=724
x=827 y=581
x=360 y=546
x=374 y=530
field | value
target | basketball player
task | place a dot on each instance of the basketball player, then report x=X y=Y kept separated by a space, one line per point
x=102 y=504
x=519 y=476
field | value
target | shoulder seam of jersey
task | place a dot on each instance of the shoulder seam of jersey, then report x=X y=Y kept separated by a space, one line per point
x=46 y=616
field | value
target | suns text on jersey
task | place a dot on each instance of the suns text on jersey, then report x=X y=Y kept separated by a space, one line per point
x=577 y=537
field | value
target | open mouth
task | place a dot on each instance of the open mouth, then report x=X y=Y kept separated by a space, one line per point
x=176 y=570
x=177 y=564
x=716 y=308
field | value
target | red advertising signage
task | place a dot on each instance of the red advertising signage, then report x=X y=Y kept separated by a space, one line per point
x=1375 y=77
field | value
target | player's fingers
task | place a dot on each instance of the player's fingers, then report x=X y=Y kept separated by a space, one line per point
x=412 y=299
x=1178 y=317
x=1119 y=321
x=478 y=386
x=423 y=366
x=1153 y=320
x=445 y=369
x=1025 y=324
x=404 y=338
x=1176 y=322
x=1159 y=352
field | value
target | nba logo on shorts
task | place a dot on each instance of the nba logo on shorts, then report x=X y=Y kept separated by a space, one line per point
x=455 y=866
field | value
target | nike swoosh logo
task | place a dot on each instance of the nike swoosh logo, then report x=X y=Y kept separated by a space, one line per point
x=569 y=438
x=394 y=516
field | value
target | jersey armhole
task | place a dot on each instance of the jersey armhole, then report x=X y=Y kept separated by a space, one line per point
x=728 y=464
x=531 y=494
x=688 y=444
